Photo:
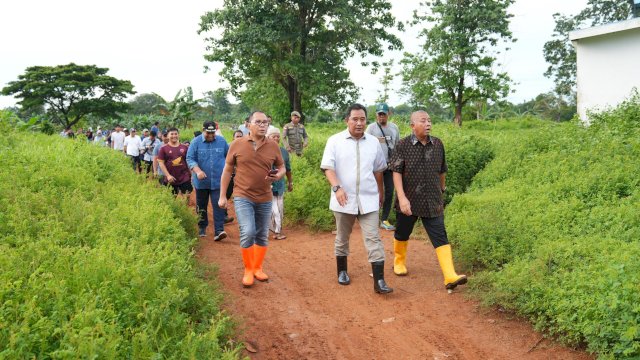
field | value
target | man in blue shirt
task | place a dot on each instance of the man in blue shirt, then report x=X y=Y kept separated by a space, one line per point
x=206 y=158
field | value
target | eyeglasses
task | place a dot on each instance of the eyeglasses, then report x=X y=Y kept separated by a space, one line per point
x=261 y=123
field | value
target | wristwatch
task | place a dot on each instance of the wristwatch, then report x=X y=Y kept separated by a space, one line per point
x=336 y=188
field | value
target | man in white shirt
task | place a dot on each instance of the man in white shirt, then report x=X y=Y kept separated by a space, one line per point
x=353 y=163
x=117 y=139
x=132 y=146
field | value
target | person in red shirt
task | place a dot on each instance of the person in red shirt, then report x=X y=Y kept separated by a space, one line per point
x=172 y=159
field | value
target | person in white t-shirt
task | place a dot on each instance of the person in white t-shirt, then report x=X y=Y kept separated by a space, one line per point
x=132 y=146
x=117 y=139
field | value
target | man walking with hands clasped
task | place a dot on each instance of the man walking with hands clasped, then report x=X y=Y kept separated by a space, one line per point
x=353 y=163
x=205 y=158
x=419 y=173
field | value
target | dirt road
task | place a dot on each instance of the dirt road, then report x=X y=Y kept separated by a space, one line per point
x=303 y=313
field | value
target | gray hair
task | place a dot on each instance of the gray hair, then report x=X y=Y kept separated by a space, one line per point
x=418 y=112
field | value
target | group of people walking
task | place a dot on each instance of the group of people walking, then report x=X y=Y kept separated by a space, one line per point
x=363 y=165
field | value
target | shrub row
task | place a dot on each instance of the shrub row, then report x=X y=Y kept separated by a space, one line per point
x=97 y=263
x=551 y=227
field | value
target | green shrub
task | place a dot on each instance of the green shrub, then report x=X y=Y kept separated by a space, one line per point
x=96 y=262
x=552 y=226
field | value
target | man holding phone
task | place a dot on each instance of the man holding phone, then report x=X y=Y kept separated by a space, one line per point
x=253 y=157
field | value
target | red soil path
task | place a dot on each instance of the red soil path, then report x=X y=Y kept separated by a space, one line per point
x=303 y=313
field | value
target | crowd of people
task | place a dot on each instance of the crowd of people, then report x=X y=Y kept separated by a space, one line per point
x=363 y=164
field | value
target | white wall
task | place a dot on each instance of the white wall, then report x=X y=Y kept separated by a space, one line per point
x=608 y=69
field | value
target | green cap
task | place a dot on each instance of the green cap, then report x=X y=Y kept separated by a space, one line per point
x=382 y=108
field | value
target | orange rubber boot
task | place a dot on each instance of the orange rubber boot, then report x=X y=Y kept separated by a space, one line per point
x=247 y=259
x=259 y=253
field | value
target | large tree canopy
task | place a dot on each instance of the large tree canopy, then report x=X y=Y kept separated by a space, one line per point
x=559 y=52
x=459 y=54
x=71 y=91
x=299 y=45
x=147 y=103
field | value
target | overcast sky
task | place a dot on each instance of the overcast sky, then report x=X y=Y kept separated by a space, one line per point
x=155 y=44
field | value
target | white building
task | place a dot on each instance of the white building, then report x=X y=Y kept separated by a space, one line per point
x=608 y=60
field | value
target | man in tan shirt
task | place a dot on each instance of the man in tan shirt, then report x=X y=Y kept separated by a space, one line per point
x=253 y=157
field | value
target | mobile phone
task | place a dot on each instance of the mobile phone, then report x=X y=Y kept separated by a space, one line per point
x=273 y=172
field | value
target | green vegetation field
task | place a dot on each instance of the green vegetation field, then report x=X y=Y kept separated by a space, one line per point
x=96 y=262
x=546 y=216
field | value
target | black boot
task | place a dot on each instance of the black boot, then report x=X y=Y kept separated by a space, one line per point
x=379 y=285
x=343 y=277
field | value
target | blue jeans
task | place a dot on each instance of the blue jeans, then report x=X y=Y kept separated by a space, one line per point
x=253 y=220
x=202 y=203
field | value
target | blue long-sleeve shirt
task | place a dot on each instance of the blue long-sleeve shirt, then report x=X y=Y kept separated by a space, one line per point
x=209 y=156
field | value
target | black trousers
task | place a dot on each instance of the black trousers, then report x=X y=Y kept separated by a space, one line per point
x=387 y=179
x=434 y=226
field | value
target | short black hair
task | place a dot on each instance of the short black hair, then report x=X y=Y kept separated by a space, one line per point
x=355 y=106
x=250 y=118
x=173 y=129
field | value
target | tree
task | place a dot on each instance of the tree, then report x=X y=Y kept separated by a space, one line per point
x=458 y=62
x=299 y=45
x=217 y=102
x=559 y=51
x=387 y=78
x=70 y=92
x=182 y=109
x=146 y=104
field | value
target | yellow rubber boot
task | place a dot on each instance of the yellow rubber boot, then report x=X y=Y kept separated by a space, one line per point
x=399 y=261
x=247 y=259
x=258 y=258
x=451 y=279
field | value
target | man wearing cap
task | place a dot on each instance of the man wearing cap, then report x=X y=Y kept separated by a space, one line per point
x=294 y=135
x=148 y=144
x=254 y=158
x=145 y=134
x=353 y=163
x=419 y=173
x=205 y=158
x=388 y=135
x=132 y=146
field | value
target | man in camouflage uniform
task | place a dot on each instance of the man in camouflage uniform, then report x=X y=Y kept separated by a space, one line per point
x=295 y=135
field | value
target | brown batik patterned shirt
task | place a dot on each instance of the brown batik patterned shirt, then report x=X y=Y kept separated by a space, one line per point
x=421 y=166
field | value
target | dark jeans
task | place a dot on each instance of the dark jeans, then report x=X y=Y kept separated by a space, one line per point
x=135 y=161
x=387 y=179
x=434 y=226
x=202 y=203
x=148 y=166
